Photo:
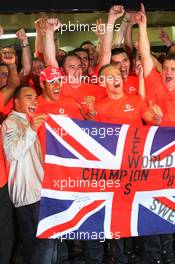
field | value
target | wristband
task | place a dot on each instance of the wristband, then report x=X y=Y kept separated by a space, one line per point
x=25 y=45
x=126 y=20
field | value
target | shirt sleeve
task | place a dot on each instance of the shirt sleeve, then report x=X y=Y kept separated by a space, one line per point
x=15 y=141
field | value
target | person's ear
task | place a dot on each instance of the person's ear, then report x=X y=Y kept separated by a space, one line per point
x=16 y=102
x=42 y=85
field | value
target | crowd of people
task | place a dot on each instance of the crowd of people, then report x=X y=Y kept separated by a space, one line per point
x=104 y=83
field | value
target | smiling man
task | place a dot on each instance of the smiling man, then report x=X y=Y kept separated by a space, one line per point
x=119 y=107
x=160 y=87
x=25 y=170
x=52 y=101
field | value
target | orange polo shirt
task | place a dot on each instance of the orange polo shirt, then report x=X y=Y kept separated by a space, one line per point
x=125 y=110
x=160 y=95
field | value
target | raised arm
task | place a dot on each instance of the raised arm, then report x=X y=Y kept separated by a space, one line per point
x=114 y=13
x=139 y=73
x=119 y=35
x=128 y=41
x=26 y=52
x=99 y=32
x=39 y=37
x=49 y=26
x=13 y=80
x=144 y=45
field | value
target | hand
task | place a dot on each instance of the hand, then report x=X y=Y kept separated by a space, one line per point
x=100 y=27
x=52 y=24
x=156 y=112
x=116 y=11
x=131 y=18
x=8 y=57
x=40 y=25
x=37 y=121
x=140 y=17
x=21 y=35
x=142 y=8
x=90 y=102
x=37 y=24
x=163 y=35
x=139 y=69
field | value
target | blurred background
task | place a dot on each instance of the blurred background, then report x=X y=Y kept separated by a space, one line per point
x=16 y=14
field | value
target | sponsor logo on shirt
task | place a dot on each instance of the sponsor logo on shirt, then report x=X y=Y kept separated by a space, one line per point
x=132 y=89
x=128 y=108
x=62 y=112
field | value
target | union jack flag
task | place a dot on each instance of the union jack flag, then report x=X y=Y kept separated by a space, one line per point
x=107 y=180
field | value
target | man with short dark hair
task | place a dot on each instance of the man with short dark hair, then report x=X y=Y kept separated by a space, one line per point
x=25 y=171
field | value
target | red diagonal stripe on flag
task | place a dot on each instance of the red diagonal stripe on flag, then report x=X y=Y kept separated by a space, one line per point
x=71 y=141
x=165 y=153
x=168 y=203
x=73 y=222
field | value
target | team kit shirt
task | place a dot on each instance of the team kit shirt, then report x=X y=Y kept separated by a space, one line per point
x=160 y=95
x=125 y=110
x=3 y=175
x=65 y=106
x=5 y=109
x=131 y=85
x=84 y=90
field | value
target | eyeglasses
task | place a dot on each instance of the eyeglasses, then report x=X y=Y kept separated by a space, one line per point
x=59 y=80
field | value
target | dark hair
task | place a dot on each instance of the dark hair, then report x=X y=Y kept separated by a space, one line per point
x=168 y=51
x=170 y=56
x=62 y=50
x=80 y=49
x=18 y=91
x=85 y=43
x=69 y=54
x=117 y=51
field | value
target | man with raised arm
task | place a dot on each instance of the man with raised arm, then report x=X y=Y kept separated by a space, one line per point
x=160 y=89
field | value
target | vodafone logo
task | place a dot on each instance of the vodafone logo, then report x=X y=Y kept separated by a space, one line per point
x=128 y=108
x=54 y=70
x=132 y=89
x=61 y=111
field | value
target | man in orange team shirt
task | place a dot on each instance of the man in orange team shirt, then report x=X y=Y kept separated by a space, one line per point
x=120 y=108
x=160 y=87
x=74 y=83
x=52 y=101
x=120 y=59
